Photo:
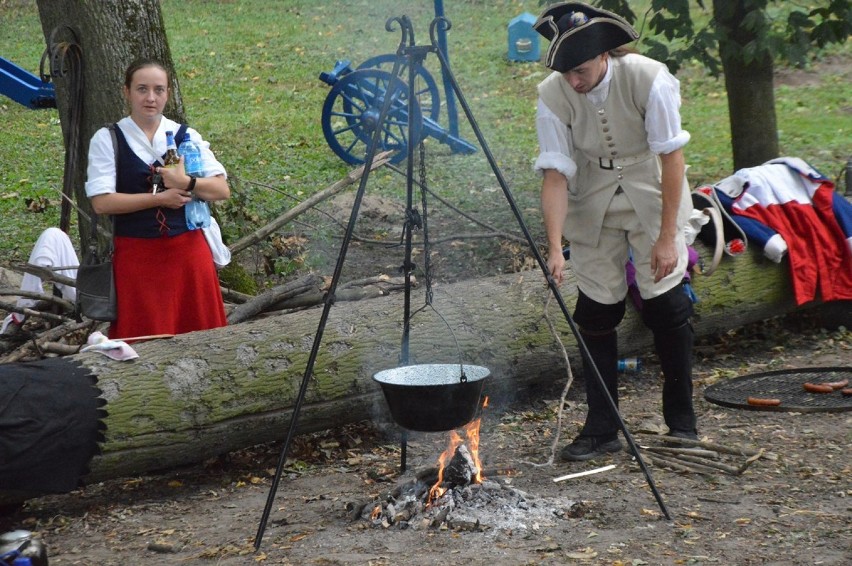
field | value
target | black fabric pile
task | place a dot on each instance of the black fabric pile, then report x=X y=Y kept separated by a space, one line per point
x=50 y=425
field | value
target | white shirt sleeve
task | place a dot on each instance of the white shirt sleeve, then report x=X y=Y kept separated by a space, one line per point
x=555 y=143
x=100 y=173
x=662 y=116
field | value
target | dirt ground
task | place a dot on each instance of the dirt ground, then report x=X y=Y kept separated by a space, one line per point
x=791 y=506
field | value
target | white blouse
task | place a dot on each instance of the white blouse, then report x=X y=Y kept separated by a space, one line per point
x=101 y=172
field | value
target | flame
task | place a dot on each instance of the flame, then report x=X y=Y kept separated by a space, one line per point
x=436 y=490
x=471 y=433
x=377 y=512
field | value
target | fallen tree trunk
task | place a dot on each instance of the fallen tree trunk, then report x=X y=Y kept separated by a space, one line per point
x=201 y=394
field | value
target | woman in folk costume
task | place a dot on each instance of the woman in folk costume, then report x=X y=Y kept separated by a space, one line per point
x=614 y=185
x=165 y=278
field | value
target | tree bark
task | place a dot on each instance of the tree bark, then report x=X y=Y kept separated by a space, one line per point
x=201 y=394
x=111 y=35
x=748 y=72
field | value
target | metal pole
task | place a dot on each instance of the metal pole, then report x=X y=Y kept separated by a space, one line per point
x=452 y=112
x=329 y=301
x=550 y=282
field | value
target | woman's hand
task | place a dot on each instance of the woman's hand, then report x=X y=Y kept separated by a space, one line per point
x=174 y=177
x=172 y=198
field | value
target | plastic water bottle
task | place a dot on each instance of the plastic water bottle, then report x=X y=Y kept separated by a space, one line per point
x=630 y=365
x=197 y=211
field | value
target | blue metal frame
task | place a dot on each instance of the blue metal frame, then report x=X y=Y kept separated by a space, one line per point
x=24 y=87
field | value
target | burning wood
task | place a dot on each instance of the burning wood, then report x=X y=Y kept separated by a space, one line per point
x=455 y=494
x=465 y=506
x=464 y=465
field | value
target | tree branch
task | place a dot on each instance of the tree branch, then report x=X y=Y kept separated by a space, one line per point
x=306 y=205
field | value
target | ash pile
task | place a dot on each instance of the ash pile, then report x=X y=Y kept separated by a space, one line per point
x=459 y=497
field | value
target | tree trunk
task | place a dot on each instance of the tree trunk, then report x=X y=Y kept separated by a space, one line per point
x=110 y=35
x=748 y=72
x=201 y=394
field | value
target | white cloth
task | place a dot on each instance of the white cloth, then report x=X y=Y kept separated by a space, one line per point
x=697 y=220
x=52 y=249
x=213 y=235
x=662 y=124
x=101 y=169
x=114 y=349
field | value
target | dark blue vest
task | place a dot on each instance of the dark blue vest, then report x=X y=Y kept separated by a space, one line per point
x=134 y=176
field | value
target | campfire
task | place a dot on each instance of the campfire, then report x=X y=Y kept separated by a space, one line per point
x=459 y=464
x=456 y=494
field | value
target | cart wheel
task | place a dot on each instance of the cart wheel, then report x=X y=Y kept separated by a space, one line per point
x=351 y=114
x=425 y=89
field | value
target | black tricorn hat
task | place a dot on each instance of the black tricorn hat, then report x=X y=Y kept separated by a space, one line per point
x=578 y=32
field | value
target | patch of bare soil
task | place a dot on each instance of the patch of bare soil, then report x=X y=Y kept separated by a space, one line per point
x=790 y=506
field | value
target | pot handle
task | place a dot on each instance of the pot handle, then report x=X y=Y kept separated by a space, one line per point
x=462 y=375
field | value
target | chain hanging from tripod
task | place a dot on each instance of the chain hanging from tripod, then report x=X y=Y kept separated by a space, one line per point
x=427 y=254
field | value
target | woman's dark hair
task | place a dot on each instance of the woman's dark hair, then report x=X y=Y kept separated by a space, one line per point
x=141 y=64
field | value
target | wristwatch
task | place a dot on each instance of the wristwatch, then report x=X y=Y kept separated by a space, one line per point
x=191 y=184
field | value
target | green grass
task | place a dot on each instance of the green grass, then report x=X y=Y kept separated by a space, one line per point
x=249 y=70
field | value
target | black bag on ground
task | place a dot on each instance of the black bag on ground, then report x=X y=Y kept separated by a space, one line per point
x=96 y=286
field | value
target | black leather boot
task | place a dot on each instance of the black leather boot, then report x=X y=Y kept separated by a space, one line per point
x=600 y=420
x=674 y=348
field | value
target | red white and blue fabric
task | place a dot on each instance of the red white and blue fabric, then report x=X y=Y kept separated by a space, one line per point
x=787 y=197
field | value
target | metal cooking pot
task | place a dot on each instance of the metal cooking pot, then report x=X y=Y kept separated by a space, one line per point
x=433 y=397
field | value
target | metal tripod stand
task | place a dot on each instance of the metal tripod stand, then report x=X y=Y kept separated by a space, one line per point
x=415 y=55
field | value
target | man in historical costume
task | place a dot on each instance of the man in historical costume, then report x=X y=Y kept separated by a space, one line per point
x=614 y=185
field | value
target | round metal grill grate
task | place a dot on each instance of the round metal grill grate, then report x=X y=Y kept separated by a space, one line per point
x=785 y=385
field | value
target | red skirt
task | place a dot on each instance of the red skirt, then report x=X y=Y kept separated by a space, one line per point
x=166 y=285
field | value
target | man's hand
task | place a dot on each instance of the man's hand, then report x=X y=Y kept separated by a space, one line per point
x=556 y=265
x=663 y=258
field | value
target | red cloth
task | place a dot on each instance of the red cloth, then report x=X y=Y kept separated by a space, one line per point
x=165 y=285
x=820 y=261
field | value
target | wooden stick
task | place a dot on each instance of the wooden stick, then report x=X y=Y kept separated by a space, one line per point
x=586 y=473
x=148 y=337
x=682 y=466
x=37 y=313
x=750 y=461
x=264 y=231
x=46 y=274
x=703 y=444
x=704 y=462
x=689 y=451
